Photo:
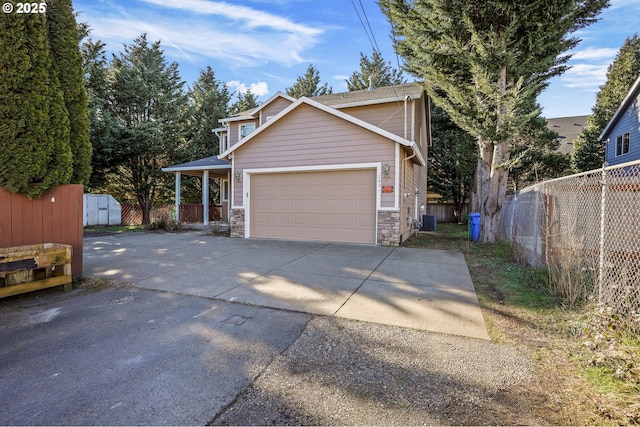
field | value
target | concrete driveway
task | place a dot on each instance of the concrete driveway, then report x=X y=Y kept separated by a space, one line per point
x=415 y=288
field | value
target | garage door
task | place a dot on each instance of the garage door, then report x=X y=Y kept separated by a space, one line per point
x=334 y=206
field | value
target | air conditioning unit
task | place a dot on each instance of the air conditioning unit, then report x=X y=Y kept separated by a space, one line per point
x=429 y=223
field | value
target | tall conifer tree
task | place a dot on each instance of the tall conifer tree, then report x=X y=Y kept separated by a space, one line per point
x=309 y=85
x=67 y=64
x=34 y=125
x=484 y=63
x=150 y=110
x=244 y=102
x=374 y=72
x=588 y=151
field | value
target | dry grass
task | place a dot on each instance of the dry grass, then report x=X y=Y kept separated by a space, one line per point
x=519 y=310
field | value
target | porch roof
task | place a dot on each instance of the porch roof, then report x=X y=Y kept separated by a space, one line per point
x=196 y=167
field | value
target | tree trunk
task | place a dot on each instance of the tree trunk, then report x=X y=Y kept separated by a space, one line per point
x=490 y=187
x=145 y=205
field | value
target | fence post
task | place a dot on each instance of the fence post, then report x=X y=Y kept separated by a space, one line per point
x=178 y=183
x=548 y=224
x=603 y=208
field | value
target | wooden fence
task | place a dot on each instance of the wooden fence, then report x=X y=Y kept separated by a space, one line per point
x=56 y=217
x=444 y=212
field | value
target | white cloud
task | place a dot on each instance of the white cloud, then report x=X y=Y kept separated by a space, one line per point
x=258 y=88
x=585 y=76
x=594 y=53
x=253 y=18
x=237 y=35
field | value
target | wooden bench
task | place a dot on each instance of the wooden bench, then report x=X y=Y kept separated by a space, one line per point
x=32 y=267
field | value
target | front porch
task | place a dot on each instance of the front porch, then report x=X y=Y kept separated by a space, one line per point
x=203 y=213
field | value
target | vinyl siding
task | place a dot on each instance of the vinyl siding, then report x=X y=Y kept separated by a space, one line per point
x=310 y=137
x=389 y=117
x=628 y=122
x=275 y=107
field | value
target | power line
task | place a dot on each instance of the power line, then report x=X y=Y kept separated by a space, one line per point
x=369 y=25
x=363 y=26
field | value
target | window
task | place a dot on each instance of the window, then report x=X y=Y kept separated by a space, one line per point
x=225 y=190
x=224 y=142
x=623 y=143
x=246 y=129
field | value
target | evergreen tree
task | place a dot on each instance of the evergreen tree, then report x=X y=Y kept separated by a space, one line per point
x=245 y=102
x=67 y=64
x=485 y=63
x=101 y=120
x=452 y=159
x=308 y=85
x=150 y=109
x=34 y=130
x=374 y=72
x=209 y=99
x=588 y=151
x=535 y=155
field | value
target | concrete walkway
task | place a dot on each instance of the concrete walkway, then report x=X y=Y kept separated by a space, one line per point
x=414 y=288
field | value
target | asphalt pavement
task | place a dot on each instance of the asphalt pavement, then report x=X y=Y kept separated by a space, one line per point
x=184 y=323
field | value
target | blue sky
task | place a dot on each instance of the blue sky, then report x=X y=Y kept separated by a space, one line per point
x=265 y=45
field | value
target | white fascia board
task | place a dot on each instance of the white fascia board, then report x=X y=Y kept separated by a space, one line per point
x=196 y=168
x=368 y=102
x=273 y=98
x=337 y=113
x=258 y=108
x=334 y=112
x=623 y=106
x=236 y=119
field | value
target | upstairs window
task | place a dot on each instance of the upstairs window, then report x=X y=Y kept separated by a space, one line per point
x=224 y=142
x=623 y=143
x=246 y=129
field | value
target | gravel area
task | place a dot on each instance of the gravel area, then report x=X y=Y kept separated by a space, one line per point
x=342 y=372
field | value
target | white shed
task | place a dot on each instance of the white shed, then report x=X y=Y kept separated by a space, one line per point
x=101 y=209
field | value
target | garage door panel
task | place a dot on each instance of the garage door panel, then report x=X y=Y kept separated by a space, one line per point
x=335 y=206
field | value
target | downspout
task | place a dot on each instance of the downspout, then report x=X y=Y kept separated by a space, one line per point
x=406 y=116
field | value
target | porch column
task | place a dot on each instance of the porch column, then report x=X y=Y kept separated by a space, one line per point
x=178 y=179
x=205 y=196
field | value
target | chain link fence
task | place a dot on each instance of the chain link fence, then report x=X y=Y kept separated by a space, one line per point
x=586 y=229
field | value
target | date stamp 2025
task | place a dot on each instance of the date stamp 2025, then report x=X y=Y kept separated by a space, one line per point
x=24 y=8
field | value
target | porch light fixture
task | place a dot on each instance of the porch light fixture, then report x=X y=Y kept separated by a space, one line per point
x=387 y=168
x=238 y=176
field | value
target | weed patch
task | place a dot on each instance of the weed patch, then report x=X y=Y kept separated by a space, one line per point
x=587 y=368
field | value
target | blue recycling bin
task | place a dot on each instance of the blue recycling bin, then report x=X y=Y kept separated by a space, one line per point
x=474 y=226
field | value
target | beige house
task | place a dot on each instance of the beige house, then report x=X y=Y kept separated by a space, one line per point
x=346 y=167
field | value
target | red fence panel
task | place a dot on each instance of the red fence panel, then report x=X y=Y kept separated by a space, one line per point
x=55 y=217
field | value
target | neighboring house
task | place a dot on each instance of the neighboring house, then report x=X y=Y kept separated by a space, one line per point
x=622 y=133
x=345 y=167
x=568 y=129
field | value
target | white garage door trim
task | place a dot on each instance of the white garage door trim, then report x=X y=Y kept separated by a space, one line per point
x=246 y=177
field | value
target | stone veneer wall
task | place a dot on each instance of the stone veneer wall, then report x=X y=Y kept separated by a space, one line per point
x=388 y=228
x=236 y=222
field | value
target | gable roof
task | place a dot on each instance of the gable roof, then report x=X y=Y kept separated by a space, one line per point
x=633 y=93
x=337 y=113
x=374 y=96
x=568 y=129
x=250 y=114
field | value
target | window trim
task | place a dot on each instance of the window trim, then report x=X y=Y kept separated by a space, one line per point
x=224 y=196
x=621 y=145
x=241 y=125
x=224 y=142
